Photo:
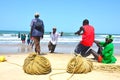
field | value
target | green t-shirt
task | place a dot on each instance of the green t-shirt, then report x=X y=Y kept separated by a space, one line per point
x=107 y=53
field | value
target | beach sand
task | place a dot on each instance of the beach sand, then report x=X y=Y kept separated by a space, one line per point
x=12 y=68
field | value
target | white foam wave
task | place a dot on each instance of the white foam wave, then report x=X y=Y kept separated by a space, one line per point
x=14 y=38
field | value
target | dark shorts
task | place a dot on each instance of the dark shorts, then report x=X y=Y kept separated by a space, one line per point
x=83 y=50
x=51 y=47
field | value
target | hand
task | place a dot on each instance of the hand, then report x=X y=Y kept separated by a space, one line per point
x=76 y=33
x=61 y=34
x=42 y=36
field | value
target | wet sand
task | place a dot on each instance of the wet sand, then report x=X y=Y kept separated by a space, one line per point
x=60 y=48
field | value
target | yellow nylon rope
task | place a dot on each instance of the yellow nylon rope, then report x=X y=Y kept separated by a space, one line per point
x=36 y=64
x=77 y=65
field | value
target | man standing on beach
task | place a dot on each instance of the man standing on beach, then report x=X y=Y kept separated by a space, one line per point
x=37 y=31
x=87 y=32
x=54 y=38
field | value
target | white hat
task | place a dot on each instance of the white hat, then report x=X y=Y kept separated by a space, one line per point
x=36 y=14
x=54 y=27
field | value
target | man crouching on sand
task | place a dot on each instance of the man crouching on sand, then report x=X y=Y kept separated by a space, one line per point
x=105 y=50
x=54 y=38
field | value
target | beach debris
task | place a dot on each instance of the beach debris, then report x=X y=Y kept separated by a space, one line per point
x=36 y=64
x=79 y=64
x=2 y=58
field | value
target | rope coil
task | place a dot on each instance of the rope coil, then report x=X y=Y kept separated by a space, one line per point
x=79 y=64
x=36 y=64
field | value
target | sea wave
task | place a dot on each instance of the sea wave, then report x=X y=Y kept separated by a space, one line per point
x=69 y=37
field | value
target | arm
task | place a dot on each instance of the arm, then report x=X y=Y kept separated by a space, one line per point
x=61 y=34
x=31 y=32
x=97 y=42
x=80 y=31
x=43 y=28
x=31 y=29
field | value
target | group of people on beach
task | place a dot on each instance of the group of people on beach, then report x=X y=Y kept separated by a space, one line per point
x=26 y=38
x=105 y=53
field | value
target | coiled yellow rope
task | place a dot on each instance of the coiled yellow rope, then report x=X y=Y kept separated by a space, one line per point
x=36 y=64
x=79 y=64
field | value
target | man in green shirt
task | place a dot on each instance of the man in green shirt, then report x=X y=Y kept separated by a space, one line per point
x=105 y=51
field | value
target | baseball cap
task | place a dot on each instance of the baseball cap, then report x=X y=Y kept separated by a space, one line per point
x=109 y=37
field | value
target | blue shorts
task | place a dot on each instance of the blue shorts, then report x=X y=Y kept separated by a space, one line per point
x=83 y=50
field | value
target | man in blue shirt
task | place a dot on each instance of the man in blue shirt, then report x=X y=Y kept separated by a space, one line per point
x=37 y=32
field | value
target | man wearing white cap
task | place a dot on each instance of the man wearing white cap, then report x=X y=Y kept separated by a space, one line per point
x=54 y=38
x=105 y=52
x=37 y=31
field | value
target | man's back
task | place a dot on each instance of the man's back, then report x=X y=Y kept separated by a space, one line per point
x=88 y=35
x=39 y=31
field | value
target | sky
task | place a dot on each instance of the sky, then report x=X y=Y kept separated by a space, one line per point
x=65 y=15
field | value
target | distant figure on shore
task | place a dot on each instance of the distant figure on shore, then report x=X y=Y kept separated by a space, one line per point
x=37 y=31
x=105 y=52
x=31 y=42
x=54 y=38
x=28 y=39
x=18 y=34
x=23 y=38
x=87 y=32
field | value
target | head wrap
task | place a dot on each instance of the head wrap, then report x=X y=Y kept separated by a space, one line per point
x=109 y=37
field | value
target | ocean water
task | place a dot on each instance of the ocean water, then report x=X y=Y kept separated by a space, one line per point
x=11 y=37
x=67 y=40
